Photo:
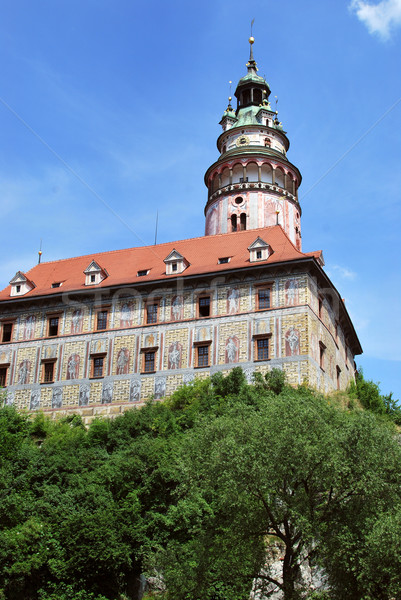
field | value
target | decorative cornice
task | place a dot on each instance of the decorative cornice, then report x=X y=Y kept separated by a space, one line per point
x=253 y=185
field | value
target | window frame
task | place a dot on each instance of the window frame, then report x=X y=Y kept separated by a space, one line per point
x=263 y=337
x=94 y=358
x=338 y=377
x=148 y=303
x=322 y=355
x=264 y=288
x=320 y=302
x=202 y=346
x=51 y=317
x=5 y=369
x=44 y=368
x=198 y=305
x=146 y=352
x=3 y=325
x=98 y=312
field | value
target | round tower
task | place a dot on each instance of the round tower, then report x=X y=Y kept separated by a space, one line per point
x=252 y=184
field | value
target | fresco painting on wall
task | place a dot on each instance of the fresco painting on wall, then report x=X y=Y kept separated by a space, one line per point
x=76 y=321
x=174 y=355
x=123 y=361
x=73 y=366
x=232 y=349
x=232 y=301
x=177 y=308
x=292 y=342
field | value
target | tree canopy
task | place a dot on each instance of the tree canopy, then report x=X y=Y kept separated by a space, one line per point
x=222 y=484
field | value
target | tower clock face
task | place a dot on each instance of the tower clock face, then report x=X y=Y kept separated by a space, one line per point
x=243 y=140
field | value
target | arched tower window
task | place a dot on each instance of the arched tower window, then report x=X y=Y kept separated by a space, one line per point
x=242 y=222
x=225 y=177
x=237 y=173
x=233 y=222
x=279 y=177
x=252 y=172
x=267 y=142
x=267 y=173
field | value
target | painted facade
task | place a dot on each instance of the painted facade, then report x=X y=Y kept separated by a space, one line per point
x=102 y=333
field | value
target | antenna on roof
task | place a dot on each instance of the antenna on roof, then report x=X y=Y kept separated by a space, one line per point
x=40 y=252
x=157 y=219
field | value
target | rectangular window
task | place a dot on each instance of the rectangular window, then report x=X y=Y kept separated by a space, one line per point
x=48 y=372
x=101 y=320
x=3 y=376
x=7 y=332
x=174 y=267
x=53 y=326
x=93 y=278
x=224 y=260
x=204 y=306
x=338 y=371
x=322 y=350
x=262 y=348
x=152 y=312
x=203 y=355
x=264 y=298
x=320 y=309
x=142 y=273
x=97 y=367
x=149 y=361
x=56 y=285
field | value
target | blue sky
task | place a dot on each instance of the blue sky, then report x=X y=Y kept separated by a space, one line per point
x=109 y=113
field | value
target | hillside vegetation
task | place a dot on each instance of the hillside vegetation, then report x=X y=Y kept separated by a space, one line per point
x=200 y=491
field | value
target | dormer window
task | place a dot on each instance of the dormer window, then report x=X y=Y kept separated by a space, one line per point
x=142 y=273
x=20 y=284
x=94 y=274
x=259 y=250
x=56 y=284
x=175 y=263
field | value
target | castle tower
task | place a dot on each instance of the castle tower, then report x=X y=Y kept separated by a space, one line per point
x=252 y=184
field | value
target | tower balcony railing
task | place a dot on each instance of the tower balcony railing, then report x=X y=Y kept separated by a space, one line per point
x=252 y=185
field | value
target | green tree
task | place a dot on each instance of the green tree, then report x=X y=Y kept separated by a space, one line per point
x=288 y=469
x=369 y=395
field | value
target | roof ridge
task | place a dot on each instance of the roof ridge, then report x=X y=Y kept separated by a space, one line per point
x=201 y=237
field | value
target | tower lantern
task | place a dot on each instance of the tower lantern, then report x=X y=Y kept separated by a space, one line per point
x=252 y=184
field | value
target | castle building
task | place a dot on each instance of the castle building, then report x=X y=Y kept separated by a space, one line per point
x=102 y=333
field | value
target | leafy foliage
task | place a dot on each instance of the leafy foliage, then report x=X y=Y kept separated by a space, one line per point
x=368 y=393
x=198 y=490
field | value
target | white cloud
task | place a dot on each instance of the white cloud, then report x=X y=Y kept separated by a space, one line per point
x=379 y=18
x=342 y=272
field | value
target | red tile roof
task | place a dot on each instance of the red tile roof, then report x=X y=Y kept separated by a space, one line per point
x=122 y=266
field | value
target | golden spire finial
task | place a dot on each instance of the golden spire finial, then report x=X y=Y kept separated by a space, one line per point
x=229 y=98
x=251 y=63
